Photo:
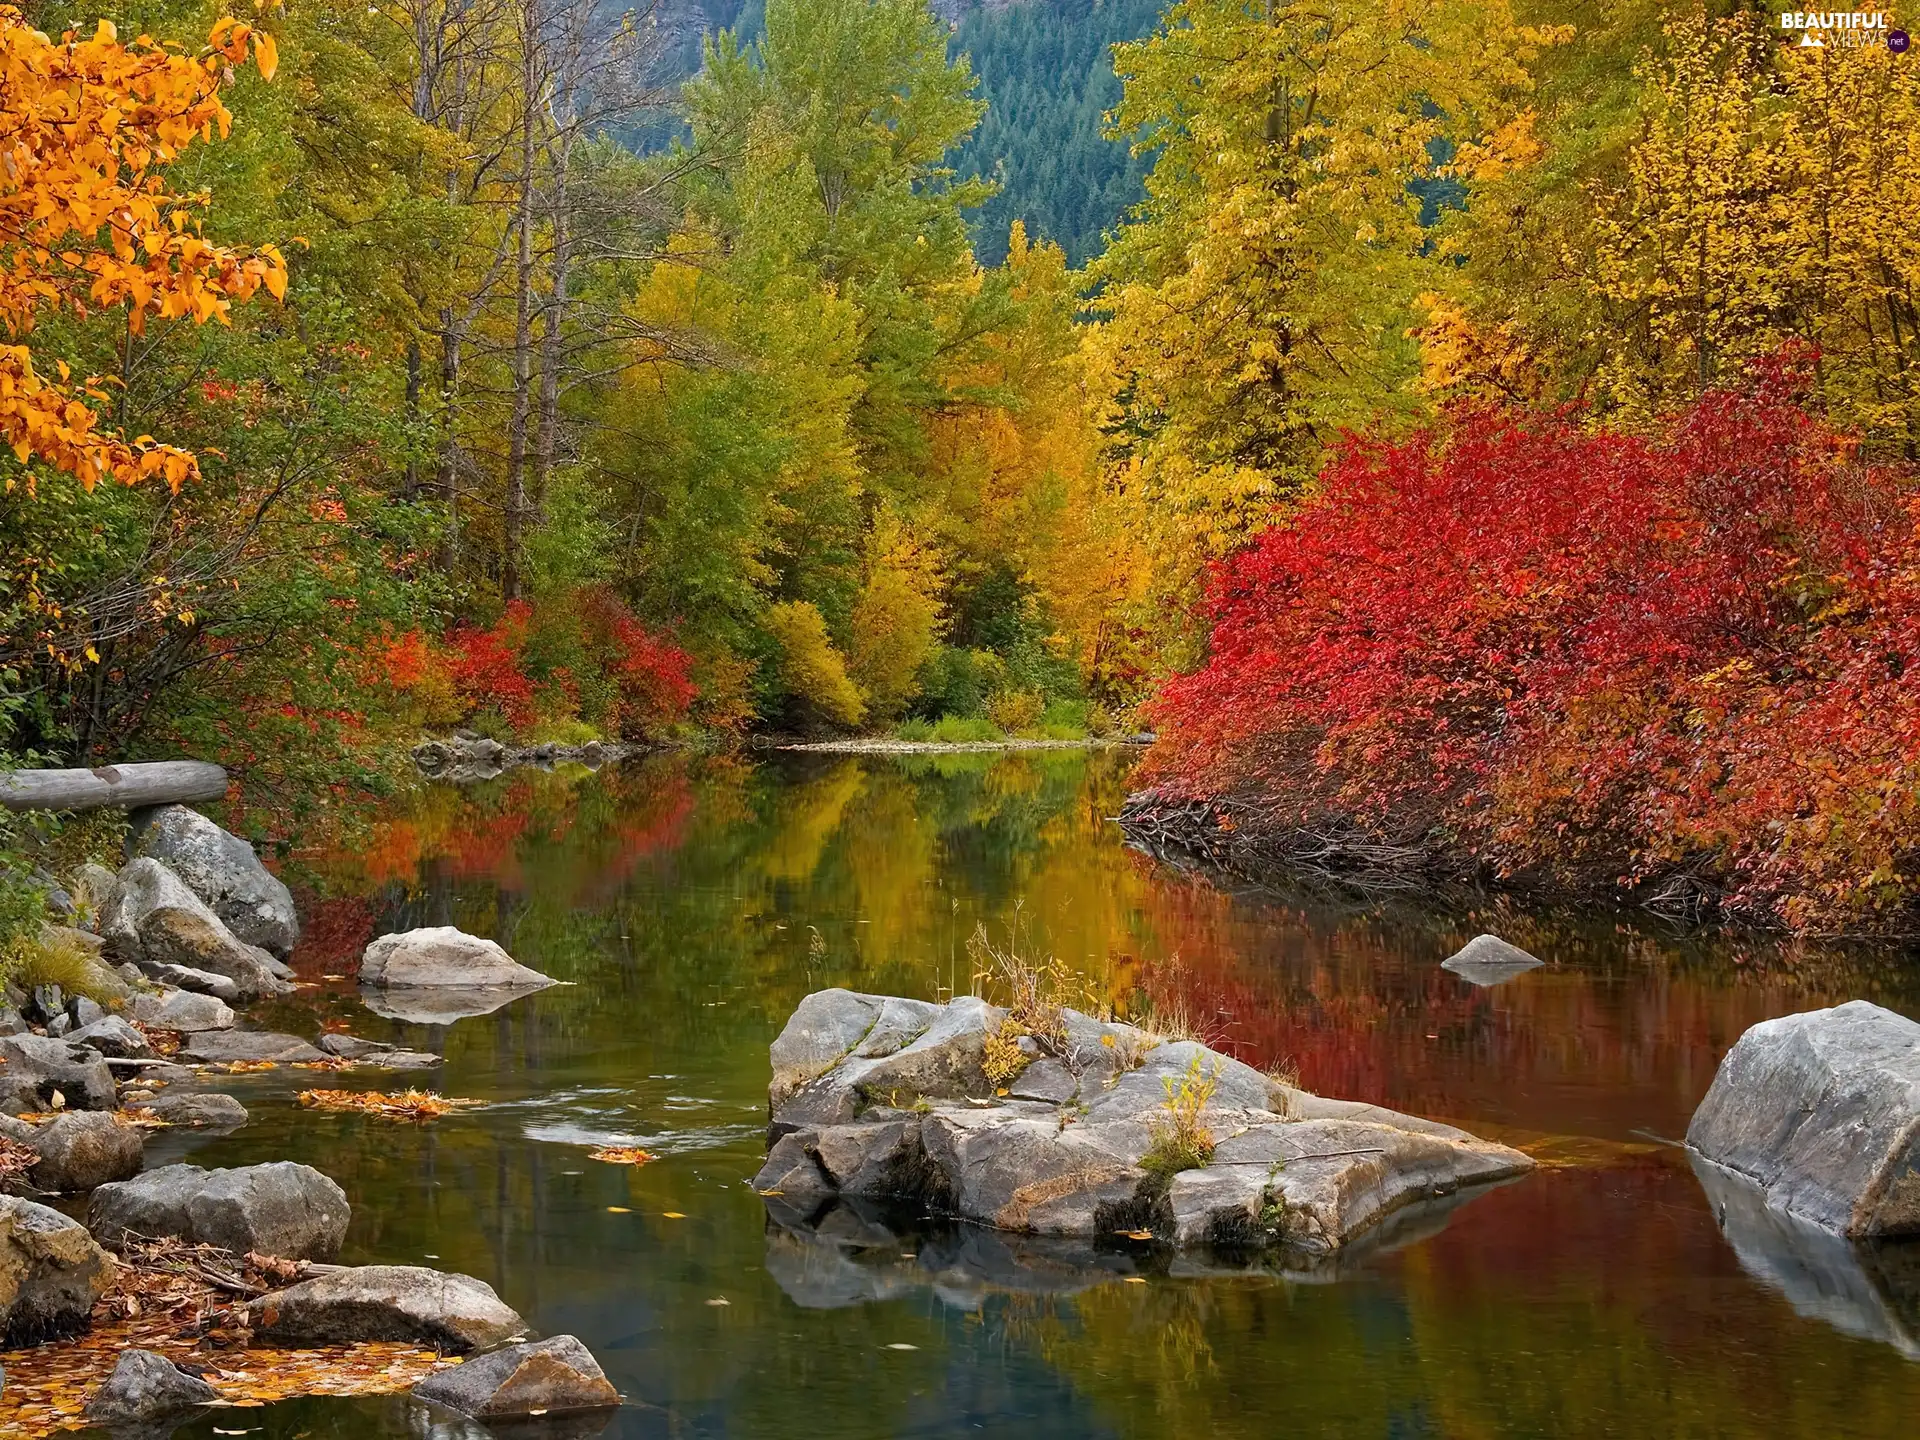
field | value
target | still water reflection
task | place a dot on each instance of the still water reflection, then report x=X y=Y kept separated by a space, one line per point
x=692 y=902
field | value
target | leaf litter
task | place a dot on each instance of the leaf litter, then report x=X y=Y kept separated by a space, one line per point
x=183 y=1301
x=404 y=1105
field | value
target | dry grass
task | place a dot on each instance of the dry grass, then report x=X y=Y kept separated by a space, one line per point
x=50 y=958
x=1181 y=1137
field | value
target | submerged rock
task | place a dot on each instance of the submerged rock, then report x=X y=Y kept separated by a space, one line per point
x=441 y=955
x=409 y=1303
x=1822 y=1111
x=225 y=1047
x=209 y=1110
x=51 y=1273
x=1489 y=960
x=78 y=1150
x=283 y=1208
x=540 y=1377
x=377 y=1053
x=146 y=1385
x=888 y=1100
x=36 y=1068
x=222 y=870
x=155 y=919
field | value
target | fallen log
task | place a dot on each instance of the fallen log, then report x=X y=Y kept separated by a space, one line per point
x=160 y=782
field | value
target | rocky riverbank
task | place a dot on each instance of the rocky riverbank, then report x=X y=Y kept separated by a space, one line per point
x=170 y=951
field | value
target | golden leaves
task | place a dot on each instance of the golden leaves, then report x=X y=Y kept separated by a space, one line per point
x=86 y=125
x=621 y=1155
x=406 y=1105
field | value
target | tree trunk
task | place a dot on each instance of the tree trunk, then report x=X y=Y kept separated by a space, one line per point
x=551 y=332
x=165 y=782
x=517 y=424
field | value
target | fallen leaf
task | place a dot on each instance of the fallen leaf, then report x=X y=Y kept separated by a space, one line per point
x=621 y=1155
x=618 y=1210
x=719 y=1300
x=407 y=1105
x=671 y=1215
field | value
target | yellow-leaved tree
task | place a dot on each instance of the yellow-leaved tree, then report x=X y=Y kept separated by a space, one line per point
x=88 y=224
x=1261 y=296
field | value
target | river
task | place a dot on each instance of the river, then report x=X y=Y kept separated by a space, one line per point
x=691 y=902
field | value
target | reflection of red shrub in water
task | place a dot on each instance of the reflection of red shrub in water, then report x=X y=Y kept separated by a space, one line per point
x=1593 y=654
x=333 y=934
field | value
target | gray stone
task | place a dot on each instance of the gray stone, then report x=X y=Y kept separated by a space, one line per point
x=199 y=982
x=351 y=1047
x=1489 y=960
x=35 y=1068
x=146 y=1385
x=224 y=1047
x=111 y=1035
x=12 y=1022
x=84 y=1011
x=60 y=1025
x=182 y=1010
x=92 y=891
x=78 y=1149
x=1822 y=1111
x=1072 y=1149
x=197 y=1109
x=51 y=1273
x=441 y=955
x=156 y=919
x=45 y=1003
x=543 y=1377
x=408 y=1303
x=222 y=870
x=283 y=1208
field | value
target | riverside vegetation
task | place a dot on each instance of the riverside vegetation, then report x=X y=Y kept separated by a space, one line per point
x=345 y=405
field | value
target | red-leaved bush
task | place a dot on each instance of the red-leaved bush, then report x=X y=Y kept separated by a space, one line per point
x=584 y=660
x=1684 y=664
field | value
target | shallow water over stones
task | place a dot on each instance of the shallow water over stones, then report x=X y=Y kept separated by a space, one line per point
x=693 y=903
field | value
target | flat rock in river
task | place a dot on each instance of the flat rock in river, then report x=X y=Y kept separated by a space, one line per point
x=222 y=870
x=884 y=1100
x=406 y=1303
x=51 y=1273
x=182 y=1010
x=282 y=1208
x=539 y=1377
x=441 y=955
x=198 y=1110
x=1821 y=1110
x=225 y=1047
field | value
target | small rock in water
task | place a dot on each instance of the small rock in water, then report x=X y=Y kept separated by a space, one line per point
x=442 y=955
x=145 y=1385
x=209 y=1110
x=543 y=1377
x=1489 y=960
x=79 y=1150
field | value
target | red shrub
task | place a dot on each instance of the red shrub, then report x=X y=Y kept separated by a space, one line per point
x=1579 y=651
x=486 y=666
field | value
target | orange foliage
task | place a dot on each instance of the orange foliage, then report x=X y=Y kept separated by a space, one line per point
x=90 y=224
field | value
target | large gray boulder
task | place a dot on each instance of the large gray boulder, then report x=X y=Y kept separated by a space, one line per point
x=154 y=919
x=78 y=1149
x=441 y=955
x=407 y=1303
x=540 y=1377
x=1822 y=1111
x=114 y=1037
x=876 y=1099
x=146 y=1385
x=225 y=1047
x=36 y=1068
x=182 y=1010
x=51 y=1273
x=283 y=1208
x=223 y=871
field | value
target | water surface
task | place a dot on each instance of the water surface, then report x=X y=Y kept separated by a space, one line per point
x=692 y=902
